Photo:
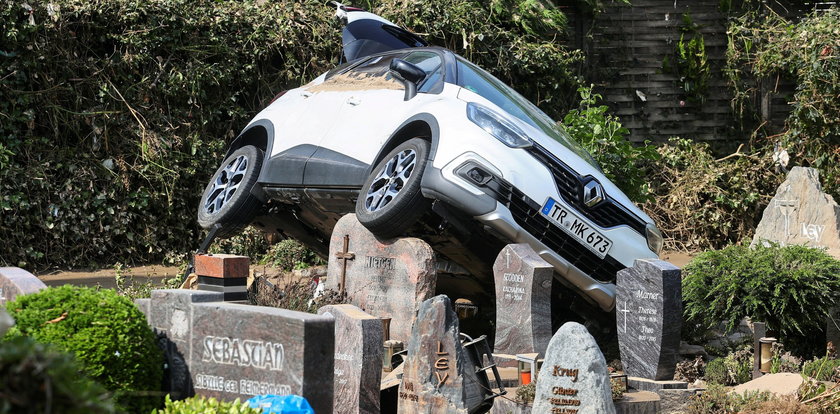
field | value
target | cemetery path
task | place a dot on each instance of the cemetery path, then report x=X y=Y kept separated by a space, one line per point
x=676 y=258
x=106 y=277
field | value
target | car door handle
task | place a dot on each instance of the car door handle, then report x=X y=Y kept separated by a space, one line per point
x=353 y=101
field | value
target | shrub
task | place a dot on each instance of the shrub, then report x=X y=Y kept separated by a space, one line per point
x=526 y=393
x=606 y=139
x=739 y=366
x=716 y=372
x=107 y=334
x=35 y=378
x=822 y=369
x=783 y=361
x=289 y=255
x=202 y=405
x=790 y=288
x=717 y=400
x=700 y=202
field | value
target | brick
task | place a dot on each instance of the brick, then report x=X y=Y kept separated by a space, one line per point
x=221 y=265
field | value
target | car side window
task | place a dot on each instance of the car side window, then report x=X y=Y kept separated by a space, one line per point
x=371 y=74
x=432 y=64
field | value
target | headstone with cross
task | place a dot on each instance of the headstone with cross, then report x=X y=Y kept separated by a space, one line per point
x=649 y=313
x=385 y=278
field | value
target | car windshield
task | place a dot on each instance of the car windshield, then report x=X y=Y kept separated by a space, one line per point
x=479 y=81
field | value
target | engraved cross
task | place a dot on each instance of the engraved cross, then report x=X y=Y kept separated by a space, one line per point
x=344 y=255
x=625 y=311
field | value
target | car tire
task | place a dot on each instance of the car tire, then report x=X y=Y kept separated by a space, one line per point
x=390 y=200
x=227 y=199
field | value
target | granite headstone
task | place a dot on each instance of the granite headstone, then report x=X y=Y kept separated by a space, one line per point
x=358 y=359
x=385 y=278
x=437 y=375
x=649 y=318
x=523 y=301
x=574 y=377
x=15 y=281
x=801 y=213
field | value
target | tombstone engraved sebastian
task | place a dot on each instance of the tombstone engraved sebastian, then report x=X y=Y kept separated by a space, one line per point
x=358 y=359
x=801 y=213
x=15 y=281
x=523 y=301
x=385 y=278
x=573 y=378
x=437 y=375
x=649 y=318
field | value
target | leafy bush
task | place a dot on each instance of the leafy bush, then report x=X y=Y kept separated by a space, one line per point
x=717 y=400
x=289 y=255
x=35 y=378
x=716 y=372
x=783 y=361
x=526 y=393
x=604 y=137
x=203 y=405
x=790 y=288
x=107 y=334
x=703 y=203
x=823 y=369
x=690 y=62
x=765 y=45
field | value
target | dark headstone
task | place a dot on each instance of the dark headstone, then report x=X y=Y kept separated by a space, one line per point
x=437 y=377
x=15 y=281
x=801 y=213
x=223 y=273
x=358 y=359
x=649 y=318
x=523 y=301
x=574 y=377
x=385 y=278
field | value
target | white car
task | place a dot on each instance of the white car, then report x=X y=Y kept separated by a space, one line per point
x=418 y=140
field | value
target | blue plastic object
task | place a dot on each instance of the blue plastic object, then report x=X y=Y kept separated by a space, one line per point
x=281 y=404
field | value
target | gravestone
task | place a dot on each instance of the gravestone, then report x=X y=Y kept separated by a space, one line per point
x=649 y=318
x=358 y=359
x=523 y=301
x=227 y=351
x=15 y=281
x=801 y=213
x=385 y=278
x=437 y=376
x=573 y=378
x=223 y=273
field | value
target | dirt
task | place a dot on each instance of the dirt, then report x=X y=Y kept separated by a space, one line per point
x=106 y=277
x=679 y=259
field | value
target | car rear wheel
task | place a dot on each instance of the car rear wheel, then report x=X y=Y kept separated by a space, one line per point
x=227 y=199
x=390 y=200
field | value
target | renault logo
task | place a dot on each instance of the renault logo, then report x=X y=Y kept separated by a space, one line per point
x=593 y=193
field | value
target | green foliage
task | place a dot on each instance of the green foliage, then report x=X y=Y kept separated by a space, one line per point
x=822 y=369
x=289 y=255
x=782 y=361
x=764 y=46
x=251 y=242
x=525 y=394
x=131 y=287
x=35 y=379
x=716 y=372
x=203 y=405
x=690 y=62
x=790 y=288
x=718 y=400
x=604 y=137
x=107 y=334
x=701 y=202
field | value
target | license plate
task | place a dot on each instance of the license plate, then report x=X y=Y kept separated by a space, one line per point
x=575 y=227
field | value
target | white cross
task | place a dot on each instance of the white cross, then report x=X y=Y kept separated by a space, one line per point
x=625 y=311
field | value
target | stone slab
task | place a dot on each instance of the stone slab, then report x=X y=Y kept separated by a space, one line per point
x=15 y=281
x=649 y=318
x=639 y=402
x=645 y=384
x=358 y=359
x=437 y=375
x=221 y=265
x=239 y=351
x=523 y=301
x=574 y=377
x=783 y=383
x=676 y=401
x=385 y=278
x=801 y=213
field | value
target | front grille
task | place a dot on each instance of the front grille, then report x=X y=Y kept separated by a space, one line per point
x=526 y=212
x=570 y=186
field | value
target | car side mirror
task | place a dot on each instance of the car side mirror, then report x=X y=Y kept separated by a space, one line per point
x=409 y=74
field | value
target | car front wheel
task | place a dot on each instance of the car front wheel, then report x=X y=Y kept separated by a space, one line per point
x=227 y=199
x=390 y=200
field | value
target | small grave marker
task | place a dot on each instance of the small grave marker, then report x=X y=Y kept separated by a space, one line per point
x=358 y=359
x=574 y=377
x=385 y=278
x=523 y=301
x=649 y=318
x=15 y=281
x=223 y=273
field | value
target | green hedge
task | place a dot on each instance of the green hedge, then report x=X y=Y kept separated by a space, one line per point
x=114 y=113
x=106 y=333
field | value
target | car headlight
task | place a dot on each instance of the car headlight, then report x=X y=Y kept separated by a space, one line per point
x=654 y=238
x=497 y=126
